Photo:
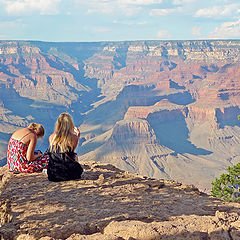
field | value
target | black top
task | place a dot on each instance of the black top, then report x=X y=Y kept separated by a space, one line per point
x=63 y=166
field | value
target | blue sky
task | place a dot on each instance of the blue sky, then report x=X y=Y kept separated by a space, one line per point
x=114 y=20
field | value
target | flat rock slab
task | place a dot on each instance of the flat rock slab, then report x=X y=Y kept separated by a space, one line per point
x=110 y=204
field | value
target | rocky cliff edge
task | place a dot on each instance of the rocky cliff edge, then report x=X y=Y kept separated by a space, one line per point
x=110 y=204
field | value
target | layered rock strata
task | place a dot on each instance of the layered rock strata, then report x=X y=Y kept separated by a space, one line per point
x=160 y=108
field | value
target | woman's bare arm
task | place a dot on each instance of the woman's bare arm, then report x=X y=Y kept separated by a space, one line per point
x=76 y=137
x=31 y=148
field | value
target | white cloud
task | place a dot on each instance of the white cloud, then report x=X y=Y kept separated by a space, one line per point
x=223 y=1
x=163 y=34
x=3 y=36
x=130 y=22
x=181 y=2
x=218 y=11
x=130 y=11
x=100 y=10
x=22 y=7
x=11 y=24
x=162 y=12
x=98 y=6
x=113 y=7
x=9 y=28
x=227 y=30
x=196 y=31
x=102 y=29
x=119 y=2
x=139 y=2
x=142 y=23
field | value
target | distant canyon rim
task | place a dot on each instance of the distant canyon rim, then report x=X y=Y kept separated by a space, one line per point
x=162 y=109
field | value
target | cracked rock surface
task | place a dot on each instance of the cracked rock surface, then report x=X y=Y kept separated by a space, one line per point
x=110 y=204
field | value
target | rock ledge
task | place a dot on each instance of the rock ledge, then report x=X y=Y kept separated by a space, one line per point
x=109 y=204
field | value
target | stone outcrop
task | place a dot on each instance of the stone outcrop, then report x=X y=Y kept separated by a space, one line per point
x=163 y=139
x=164 y=109
x=37 y=75
x=110 y=204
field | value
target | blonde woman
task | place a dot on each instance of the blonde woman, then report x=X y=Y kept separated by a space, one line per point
x=20 y=154
x=63 y=163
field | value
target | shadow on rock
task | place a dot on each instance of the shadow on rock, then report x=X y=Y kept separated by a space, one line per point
x=108 y=201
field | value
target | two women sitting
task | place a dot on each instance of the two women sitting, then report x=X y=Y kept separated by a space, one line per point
x=60 y=159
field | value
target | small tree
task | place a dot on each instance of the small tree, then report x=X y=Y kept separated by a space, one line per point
x=227 y=186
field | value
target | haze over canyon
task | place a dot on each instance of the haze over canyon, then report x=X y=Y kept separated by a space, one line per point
x=163 y=109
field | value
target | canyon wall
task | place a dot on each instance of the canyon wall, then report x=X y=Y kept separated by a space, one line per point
x=164 y=109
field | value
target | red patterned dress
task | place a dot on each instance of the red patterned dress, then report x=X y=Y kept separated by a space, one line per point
x=17 y=161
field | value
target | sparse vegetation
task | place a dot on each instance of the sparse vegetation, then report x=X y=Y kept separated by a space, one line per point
x=227 y=186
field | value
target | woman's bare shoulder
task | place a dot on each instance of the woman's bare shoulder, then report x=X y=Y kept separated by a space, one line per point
x=24 y=134
x=21 y=132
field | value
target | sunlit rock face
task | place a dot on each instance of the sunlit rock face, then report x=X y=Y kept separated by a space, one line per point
x=164 y=109
x=110 y=204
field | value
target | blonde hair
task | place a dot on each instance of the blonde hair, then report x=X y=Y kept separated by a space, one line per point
x=38 y=127
x=63 y=137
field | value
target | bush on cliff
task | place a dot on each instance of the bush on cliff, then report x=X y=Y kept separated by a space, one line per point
x=227 y=186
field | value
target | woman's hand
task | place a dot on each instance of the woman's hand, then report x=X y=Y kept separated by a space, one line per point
x=37 y=155
x=76 y=137
x=76 y=131
x=31 y=147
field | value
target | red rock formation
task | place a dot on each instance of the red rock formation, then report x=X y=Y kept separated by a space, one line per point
x=164 y=108
x=201 y=77
x=137 y=130
x=201 y=114
x=32 y=70
x=138 y=112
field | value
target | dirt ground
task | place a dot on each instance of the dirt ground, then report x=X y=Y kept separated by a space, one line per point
x=109 y=204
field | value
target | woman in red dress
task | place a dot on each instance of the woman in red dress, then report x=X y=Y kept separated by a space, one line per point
x=20 y=154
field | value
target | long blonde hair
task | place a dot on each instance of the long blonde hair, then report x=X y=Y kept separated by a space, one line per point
x=38 y=127
x=63 y=135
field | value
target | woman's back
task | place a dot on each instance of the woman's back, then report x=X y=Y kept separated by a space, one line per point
x=21 y=147
x=24 y=135
x=63 y=166
x=63 y=163
x=73 y=141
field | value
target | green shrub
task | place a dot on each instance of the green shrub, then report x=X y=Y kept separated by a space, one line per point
x=227 y=186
